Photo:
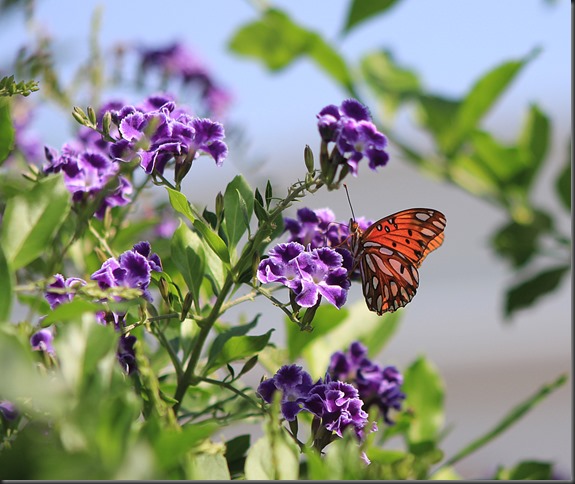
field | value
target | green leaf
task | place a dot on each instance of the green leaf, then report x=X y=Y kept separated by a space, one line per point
x=171 y=445
x=236 y=450
x=425 y=392
x=479 y=101
x=273 y=457
x=336 y=329
x=533 y=143
x=6 y=130
x=213 y=240
x=238 y=347
x=71 y=311
x=519 y=242
x=222 y=338
x=437 y=113
x=563 y=182
x=212 y=466
x=180 y=204
x=238 y=203
x=511 y=418
x=32 y=219
x=278 y=42
x=388 y=80
x=188 y=255
x=528 y=291
x=362 y=10
x=6 y=284
x=333 y=64
x=530 y=470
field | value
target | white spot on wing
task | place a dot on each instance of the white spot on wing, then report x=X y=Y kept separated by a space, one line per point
x=427 y=232
x=385 y=251
x=375 y=282
x=422 y=216
x=394 y=288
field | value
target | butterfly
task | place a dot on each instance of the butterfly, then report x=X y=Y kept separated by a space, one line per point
x=389 y=252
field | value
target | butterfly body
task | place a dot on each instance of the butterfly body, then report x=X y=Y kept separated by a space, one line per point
x=389 y=253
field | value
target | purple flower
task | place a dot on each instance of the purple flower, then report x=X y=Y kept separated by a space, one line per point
x=26 y=142
x=339 y=405
x=8 y=410
x=132 y=269
x=377 y=386
x=294 y=383
x=55 y=298
x=126 y=355
x=309 y=274
x=42 y=341
x=87 y=173
x=177 y=61
x=160 y=135
x=350 y=127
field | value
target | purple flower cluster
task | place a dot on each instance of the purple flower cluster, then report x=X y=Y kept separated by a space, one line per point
x=157 y=132
x=8 y=410
x=318 y=228
x=376 y=385
x=26 y=142
x=336 y=403
x=178 y=62
x=132 y=269
x=310 y=274
x=87 y=173
x=350 y=127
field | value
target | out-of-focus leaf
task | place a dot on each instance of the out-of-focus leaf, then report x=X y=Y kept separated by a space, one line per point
x=277 y=41
x=519 y=242
x=425 y=392
x=362 y=10
x=528 y=291
x=446 y=474
x=563 y=182
x=212 y=466
x=6 y=284
x=511 y=418
x=501 y=163
x=32 y=219
x=388 y=80
x=238 y=198
x=189 y=257
x=336 y=330
x=437 y=113
x=533 y=144
x=71 y=311
x=479 y=100
x=274 y=456
x=529 y=470
x=6 y=130
x=171 y=445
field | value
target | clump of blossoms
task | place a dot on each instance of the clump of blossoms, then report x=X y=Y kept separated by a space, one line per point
x=178 y=62
x=318 y=228
x=350 y=129
x=310 y=274
x=160 y=132
x=132 y=269
x=377 y=386
x=335 y=405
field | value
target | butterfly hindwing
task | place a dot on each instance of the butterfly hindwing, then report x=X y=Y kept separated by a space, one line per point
x=389 y=253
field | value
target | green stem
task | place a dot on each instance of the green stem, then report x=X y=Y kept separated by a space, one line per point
x=513 y=416
x=188 y=377
x=233 y=389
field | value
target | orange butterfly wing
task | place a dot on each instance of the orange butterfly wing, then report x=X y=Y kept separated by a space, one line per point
x=390 y=251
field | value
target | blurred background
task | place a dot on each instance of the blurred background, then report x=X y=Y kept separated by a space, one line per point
x=489 y=363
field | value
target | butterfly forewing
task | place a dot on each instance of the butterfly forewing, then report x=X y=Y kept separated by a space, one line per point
x=390 y=251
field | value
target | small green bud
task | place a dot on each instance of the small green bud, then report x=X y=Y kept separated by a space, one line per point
x=308 y=158
x=92 y=116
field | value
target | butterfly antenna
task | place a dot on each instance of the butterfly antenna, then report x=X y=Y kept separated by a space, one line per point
x=349 y=200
